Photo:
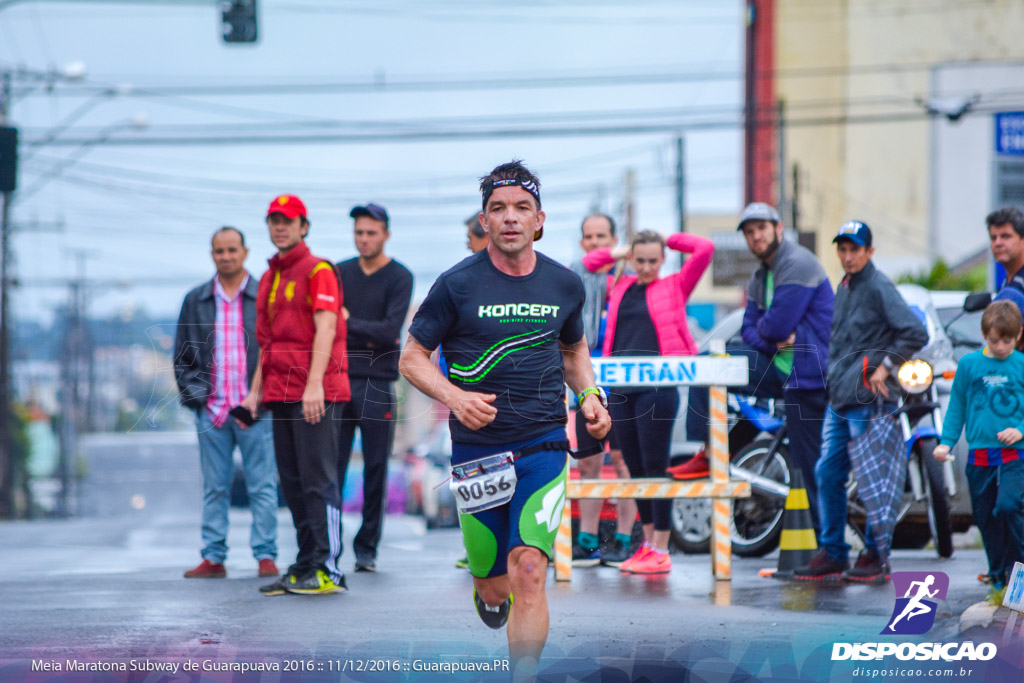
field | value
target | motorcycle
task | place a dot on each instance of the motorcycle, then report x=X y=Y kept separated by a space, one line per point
x=764 y=460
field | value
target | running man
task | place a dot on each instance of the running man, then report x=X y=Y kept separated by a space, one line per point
x=915 y=607
x=510 y=321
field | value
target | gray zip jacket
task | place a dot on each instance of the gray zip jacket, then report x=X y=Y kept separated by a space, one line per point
x=596 y=287
x=871 y=326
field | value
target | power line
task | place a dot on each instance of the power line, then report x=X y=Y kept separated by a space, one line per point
x=653 y=75
x=421 y=123
x=503 y=133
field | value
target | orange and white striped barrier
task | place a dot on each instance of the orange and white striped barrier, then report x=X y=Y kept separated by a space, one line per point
x=671 y=371
x=657 y=488
x=721 y=509
x=563 y=539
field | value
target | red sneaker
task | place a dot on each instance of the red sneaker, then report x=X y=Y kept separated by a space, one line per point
x=696 y=467
x=268 y=568
x=653 y=562
x=207 y=570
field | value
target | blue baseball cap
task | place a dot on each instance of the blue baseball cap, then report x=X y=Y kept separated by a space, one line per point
x=374 y=211
x=857 y=232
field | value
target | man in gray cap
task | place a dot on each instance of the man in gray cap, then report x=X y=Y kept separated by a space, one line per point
x=786 y=330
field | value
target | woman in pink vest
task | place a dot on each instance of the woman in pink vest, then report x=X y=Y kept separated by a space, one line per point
x=647 y=317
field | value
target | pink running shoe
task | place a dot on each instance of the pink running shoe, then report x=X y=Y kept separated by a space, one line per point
x=652 y=563
x=640 y=552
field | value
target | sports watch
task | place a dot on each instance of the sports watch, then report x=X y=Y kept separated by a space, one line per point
x=596 y=391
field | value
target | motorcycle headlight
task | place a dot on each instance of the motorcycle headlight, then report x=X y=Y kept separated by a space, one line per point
x=915 y=376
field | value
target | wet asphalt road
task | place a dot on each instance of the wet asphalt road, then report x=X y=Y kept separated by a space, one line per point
x=110 y=587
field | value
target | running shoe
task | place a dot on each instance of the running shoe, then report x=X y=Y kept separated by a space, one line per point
x=366 y=563
x=823 y=567
x=696 y=467
x=584 y=557
x=868 y=568
x=654 y=562
x=316 y=584
x=985 y=578
x=640 y=552
x=278 y=587
x=207 y=570
x=462 y=562
x=615 y=554
x=494 y=617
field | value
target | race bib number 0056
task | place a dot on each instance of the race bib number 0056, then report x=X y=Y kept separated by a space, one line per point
x=484 y=483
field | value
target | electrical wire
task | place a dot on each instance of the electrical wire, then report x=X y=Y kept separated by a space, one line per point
x=659 y=74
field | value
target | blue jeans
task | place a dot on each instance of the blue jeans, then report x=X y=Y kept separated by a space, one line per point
x=216 y=446
x=831 y=473
x=996 y=495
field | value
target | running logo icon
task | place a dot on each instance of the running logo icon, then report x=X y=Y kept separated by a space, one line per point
x=917 y=594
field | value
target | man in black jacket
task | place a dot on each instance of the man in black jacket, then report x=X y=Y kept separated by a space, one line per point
x=378 y=291
x=214 y=364
x=873 y=333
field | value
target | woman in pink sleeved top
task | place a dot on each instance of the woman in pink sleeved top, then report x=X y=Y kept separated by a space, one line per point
x=647 y=317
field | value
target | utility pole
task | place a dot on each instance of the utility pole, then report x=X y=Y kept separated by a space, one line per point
x=795 y=210
x=681 y=182
x=6 y=459
x=782 y=160
x=72 y=372
x=681 y=186
x=628 y=210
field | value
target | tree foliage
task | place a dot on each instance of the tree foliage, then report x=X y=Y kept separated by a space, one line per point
x=941 y=276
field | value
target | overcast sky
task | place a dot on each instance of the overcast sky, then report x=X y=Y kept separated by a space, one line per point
x=145 y=211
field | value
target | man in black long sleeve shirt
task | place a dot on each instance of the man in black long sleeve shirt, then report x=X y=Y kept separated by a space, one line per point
x=379 y=290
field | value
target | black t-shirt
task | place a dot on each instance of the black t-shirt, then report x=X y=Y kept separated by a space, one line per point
x=377 y=304
x=634 y=330
x=501 y=336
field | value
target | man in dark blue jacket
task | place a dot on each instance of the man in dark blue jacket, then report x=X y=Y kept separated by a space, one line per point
x=785 y=331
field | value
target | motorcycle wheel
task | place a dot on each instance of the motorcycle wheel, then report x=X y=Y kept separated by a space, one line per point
x=756 y=521
x=935 y=498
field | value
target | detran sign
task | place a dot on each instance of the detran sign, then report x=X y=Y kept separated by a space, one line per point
x=1010 y=133
x=664 y=371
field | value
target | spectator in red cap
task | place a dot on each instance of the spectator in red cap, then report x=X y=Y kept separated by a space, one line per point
x=302 y=379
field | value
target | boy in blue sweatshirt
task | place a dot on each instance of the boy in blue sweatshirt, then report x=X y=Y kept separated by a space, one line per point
x=988 y=394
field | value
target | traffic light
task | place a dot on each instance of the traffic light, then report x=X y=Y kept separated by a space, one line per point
x=8 y=159
x=238 y=21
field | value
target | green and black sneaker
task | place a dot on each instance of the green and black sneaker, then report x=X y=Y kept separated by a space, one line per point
x=494 y=617
x=462 y=562
x=278 y=587
x=316 y=584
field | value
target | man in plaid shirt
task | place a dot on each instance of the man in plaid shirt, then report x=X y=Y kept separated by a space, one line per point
x=873 y=333
x=214 y=363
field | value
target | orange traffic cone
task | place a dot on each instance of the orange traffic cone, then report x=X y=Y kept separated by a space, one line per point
x=797 y=544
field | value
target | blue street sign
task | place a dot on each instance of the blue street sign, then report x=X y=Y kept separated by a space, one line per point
x=1010 y=133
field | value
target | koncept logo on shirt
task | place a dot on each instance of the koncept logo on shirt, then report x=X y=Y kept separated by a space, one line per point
x=517 y=310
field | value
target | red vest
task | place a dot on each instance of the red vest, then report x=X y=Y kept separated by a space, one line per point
x=285 y=329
